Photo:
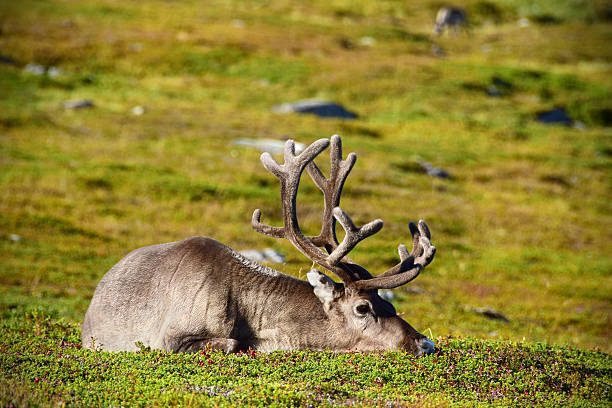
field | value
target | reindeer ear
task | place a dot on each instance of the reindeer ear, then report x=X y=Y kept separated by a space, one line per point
x=324 y=287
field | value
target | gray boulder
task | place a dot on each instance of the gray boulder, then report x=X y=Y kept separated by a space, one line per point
x=323 y=109
x=556 y=116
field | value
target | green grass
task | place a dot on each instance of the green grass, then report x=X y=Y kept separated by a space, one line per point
x=522 y=227
x=55 y=370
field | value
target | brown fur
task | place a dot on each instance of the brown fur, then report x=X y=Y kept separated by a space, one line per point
x=184 y=295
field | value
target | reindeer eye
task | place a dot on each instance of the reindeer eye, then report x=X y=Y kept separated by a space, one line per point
x=362 y=308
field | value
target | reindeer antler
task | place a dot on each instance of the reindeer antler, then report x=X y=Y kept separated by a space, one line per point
x=410 y=264
x=332 y=190
x=289 y=174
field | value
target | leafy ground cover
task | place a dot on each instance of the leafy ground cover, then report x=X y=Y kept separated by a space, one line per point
x=55 y=370
x=522 y=227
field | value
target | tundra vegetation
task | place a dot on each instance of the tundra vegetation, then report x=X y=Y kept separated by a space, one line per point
x=523 y=226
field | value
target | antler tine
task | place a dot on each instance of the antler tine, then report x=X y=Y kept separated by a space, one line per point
x=353 y=234
x=411 y=264
x=418 y=252
x=427 y=251
x=332 y=190
x=389 y=282
x=289 y=174
x=276 y=232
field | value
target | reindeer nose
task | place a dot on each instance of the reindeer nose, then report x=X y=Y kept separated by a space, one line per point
x=425 y=346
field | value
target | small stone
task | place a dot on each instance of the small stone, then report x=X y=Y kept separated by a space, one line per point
x=267 y=255
x=268 y=145
x=78 y=104
x=500 y=82
x=367 y=41
x=324 y=109
x=490 y=313
x=253 y=255
x=16 y=238
x=523 y=22
x=138 y=110
x=386 y=295
x=494 y=92
x=54 y=72
x=35 y=69
x=555 y=116
x=273 y=256
x=434 y=171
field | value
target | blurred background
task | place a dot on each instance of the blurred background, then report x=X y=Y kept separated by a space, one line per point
x=130 y=123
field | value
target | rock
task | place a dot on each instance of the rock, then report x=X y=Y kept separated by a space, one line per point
x=54 y=72
x=268 y=145
x=367 y=41
x=434 y=171
x=497 y=81
x=267 y=255
x=271 y=255
x=490 y=313
x=494 y=92
x=499 y=87
x=15 y=238
x=78 y=104
x=324 y=109
x=253 y=255
x=386 y=295
x=138 y=110
x=51 y=72
x=35 y=69
x=555 y=116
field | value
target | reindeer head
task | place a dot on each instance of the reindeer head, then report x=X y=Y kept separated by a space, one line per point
x=361 y=318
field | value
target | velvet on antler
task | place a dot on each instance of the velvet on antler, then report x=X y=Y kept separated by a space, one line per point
x=335 y=258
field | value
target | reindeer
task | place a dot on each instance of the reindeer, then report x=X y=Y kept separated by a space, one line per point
x=450 y=16
x=186 y=295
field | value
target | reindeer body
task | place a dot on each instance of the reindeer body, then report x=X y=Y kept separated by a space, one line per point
x=181 y=296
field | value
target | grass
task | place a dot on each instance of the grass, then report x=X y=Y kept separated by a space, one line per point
x=522 y=227
x=55 y=370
